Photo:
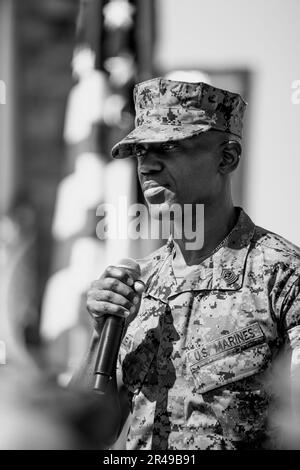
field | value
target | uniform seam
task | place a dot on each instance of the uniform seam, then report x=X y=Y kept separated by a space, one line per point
x=289 y=286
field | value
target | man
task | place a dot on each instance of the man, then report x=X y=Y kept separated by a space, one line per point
x=197 y=358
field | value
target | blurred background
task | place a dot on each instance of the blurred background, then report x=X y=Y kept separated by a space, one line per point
x=69 y=67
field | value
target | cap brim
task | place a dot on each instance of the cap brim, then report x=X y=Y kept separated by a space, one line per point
x=148 y=135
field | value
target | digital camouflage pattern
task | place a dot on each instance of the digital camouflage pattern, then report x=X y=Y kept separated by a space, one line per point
x=199 y=356
x=168 y=110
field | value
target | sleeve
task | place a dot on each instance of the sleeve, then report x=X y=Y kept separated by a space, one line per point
x=290 y=311
x=290 y=418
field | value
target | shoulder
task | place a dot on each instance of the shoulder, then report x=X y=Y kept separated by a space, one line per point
x=278 y=260
x=276 y=249
x=273 y=266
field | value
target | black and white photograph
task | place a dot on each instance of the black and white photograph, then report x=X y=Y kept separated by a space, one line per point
x=149 y=228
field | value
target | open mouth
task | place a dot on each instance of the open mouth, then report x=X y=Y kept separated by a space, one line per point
x=154 y=191
x=155 y=195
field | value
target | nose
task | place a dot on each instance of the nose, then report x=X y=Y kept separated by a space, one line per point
x=150 y=162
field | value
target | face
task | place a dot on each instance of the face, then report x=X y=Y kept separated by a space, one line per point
x=181 y=172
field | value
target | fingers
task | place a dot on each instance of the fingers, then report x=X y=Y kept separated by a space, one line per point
x=100 y=308
x=114 y=293
x=118 y=273
x=114 y=285
x=111 y=297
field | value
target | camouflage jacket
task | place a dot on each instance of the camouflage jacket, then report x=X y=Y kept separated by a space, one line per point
x=199 y=357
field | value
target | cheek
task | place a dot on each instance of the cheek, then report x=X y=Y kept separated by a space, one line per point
x=199 y=183
x=206 y=172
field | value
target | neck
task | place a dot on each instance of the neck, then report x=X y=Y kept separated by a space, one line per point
x=219 y=219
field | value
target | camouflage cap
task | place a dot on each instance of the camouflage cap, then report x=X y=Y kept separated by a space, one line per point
x=168 y=110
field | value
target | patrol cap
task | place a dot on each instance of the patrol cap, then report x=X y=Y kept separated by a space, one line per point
x=168 y=110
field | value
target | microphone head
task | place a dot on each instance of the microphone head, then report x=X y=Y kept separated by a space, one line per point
x=130 y=265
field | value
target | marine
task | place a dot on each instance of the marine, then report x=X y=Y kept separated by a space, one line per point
x=205 y=326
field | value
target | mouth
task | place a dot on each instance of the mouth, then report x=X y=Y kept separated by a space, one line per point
x=150 y=184
x=153 y=191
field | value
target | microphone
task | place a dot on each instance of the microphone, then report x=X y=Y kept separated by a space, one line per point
x=111 y=337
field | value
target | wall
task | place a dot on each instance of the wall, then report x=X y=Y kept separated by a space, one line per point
x=263 y=36
x=7 y=111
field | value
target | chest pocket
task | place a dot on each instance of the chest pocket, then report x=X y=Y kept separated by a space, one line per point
x=229 y=358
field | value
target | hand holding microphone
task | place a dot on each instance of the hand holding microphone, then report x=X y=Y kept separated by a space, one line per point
x=113 y=301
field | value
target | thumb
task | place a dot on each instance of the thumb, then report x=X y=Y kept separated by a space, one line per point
x=139 y=287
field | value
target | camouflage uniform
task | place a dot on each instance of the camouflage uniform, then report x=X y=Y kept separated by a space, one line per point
x=198 y=357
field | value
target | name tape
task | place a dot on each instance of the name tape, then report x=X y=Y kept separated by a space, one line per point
x=239 y=339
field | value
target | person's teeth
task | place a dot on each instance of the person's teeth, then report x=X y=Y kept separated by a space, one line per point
x=153 y=191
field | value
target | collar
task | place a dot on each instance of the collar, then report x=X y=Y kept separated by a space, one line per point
x=223 y=270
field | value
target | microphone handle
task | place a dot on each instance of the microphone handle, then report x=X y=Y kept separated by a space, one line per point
x=108 y=349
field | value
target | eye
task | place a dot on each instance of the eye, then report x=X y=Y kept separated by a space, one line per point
x=139 y=151
x=170 y=147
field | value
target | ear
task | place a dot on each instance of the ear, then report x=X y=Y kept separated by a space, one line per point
x=230 y=156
